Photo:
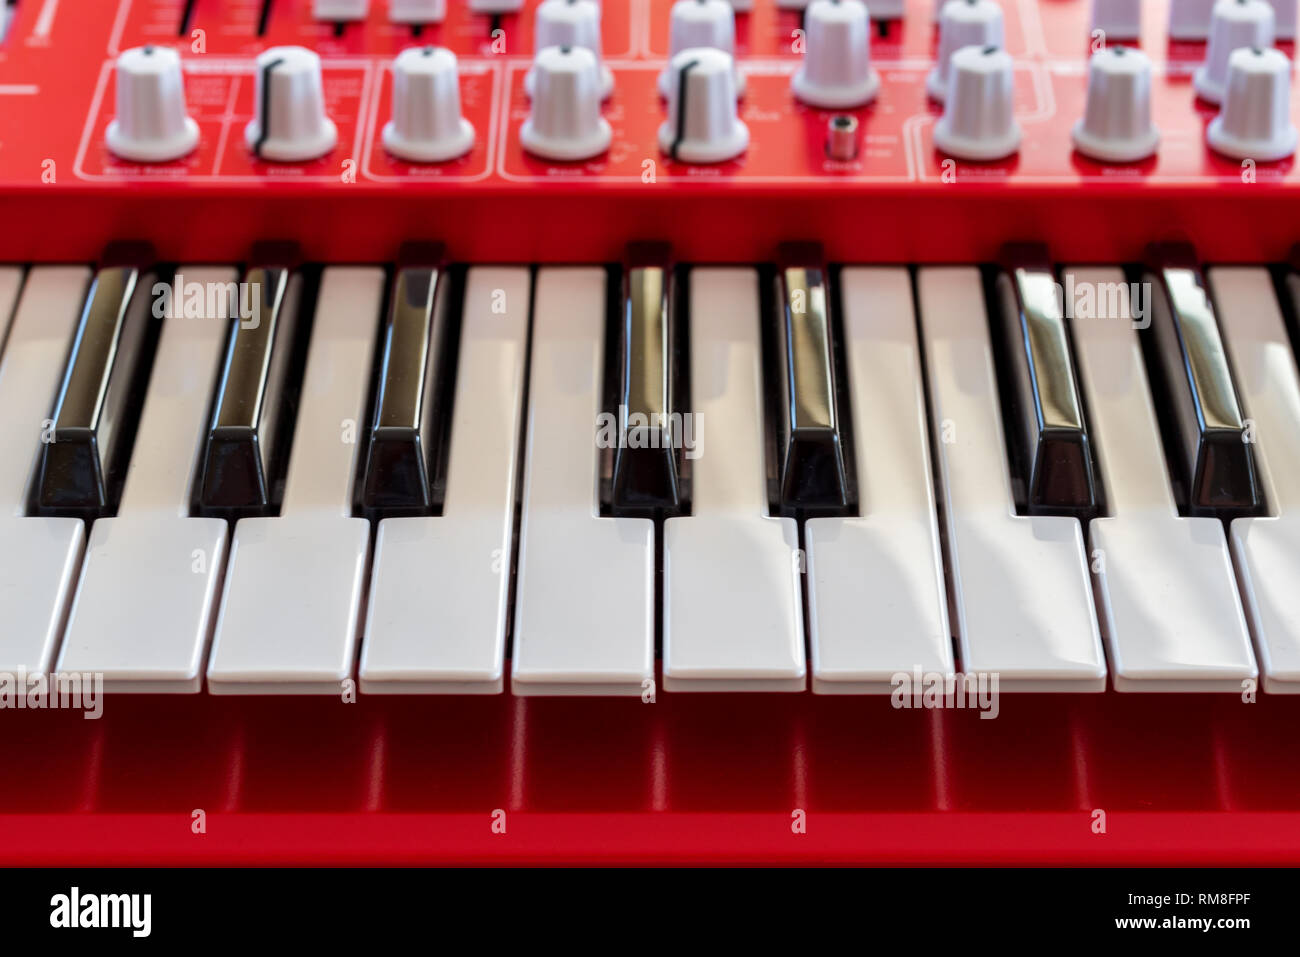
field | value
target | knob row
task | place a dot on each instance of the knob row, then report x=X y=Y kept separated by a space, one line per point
x=973 y=76
x=978 y=121
x=1242 y=73
x=435 y=11
x=1118 y=19
x=290 y=124
x=405 y=11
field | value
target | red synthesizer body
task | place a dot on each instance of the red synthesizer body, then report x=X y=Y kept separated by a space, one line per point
x=1114 y=776
x=890 y=206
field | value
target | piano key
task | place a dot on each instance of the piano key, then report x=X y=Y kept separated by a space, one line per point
x=40 y=557
x=811 y=456
x=1021 y=586
x=1267 y=548
x=645 y=472
x=405 y=438
x=1212 y=458
x=1167 y=593
x=81 y=467
x=288 y=622
x=1049 y=434
x=600 y=642
x=242 y=451
x=144 y=608
x=11 y=282
x=876 y=599
x=460 y=561
x=733 y=617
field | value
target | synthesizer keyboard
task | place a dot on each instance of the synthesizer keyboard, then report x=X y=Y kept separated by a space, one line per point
x=561 y=430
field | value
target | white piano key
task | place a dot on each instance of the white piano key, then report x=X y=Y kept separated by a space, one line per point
x=39 y=557
x=1165 y=584
x=1021 y=583
x=584 y=619
x=145 y=604
x=733 y=617
x=452 y=639
x=289 y=615
x=876 y=600
x=11 y=282
x=1267 y=550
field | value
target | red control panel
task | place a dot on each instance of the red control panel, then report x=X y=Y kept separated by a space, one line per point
x=897 y=199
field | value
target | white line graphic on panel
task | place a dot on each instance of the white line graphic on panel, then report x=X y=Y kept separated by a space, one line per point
x=44 y=21
x=1031 y=27
x=119 y=25
x=227 y=124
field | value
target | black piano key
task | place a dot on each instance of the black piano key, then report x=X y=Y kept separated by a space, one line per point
x=1289 y=296
x=1047 y=430
x=646 y=473
x=810 y=444
x=243 y=452
x=410 y=403
x=84 y=459
x=1208 y=440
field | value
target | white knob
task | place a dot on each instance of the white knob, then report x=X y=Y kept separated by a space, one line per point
x=290 y=124
x=836 y=71
x=417 y=11
x=427 y=125
x=570 y=23
x=963 y=23
x=1284 y=14
x=978 y=122
x=565 y=123
x=700 y=23
x=888 y=9
x=703 y=125
x=1255 y=122
x=338 y=11
x=151 y=124
x=1117 y=19
x=1236 y=24
x=1189 y=19
x=1116 y=125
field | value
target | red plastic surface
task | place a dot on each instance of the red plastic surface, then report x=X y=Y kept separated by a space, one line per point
x=894 y=204
x=1173 y=779
x=1098 y=779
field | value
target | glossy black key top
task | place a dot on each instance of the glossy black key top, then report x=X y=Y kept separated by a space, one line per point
x=646 y=464
x=243 y=449
x=811 y=469
x=1047 y=428
x=84 y=460
x=1291 y=301
x=409 y=407
x=1210 y=441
